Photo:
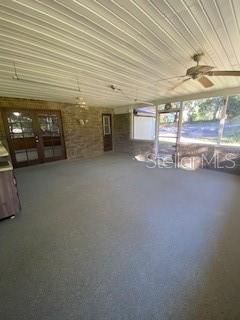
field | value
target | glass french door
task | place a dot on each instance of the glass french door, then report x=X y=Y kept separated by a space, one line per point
x=50 y=135
x=34 y=136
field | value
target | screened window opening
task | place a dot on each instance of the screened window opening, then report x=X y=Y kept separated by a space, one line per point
x=168 y=126
x=214 y=120
x=201 y=120
x=231 y=132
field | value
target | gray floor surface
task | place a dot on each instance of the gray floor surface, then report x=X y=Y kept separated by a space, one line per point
x=108 y=238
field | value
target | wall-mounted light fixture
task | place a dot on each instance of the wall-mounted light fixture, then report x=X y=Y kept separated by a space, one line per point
x=82 y=122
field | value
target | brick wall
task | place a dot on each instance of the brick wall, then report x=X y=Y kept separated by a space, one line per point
x=81 y=141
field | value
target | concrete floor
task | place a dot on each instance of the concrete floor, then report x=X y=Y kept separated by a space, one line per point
x=110 y=239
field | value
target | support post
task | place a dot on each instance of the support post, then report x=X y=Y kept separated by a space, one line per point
x=180 y=123
x=156 y=132
x=222 y=121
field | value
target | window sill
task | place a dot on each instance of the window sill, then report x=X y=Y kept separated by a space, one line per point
x=142 y=140
x=214 y=144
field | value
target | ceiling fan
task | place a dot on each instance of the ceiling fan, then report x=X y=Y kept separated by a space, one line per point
x=202 y=72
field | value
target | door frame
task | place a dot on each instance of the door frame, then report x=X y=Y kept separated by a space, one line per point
x=159 y=112
x=61 y=136
x=39 y=145
x=110 y=115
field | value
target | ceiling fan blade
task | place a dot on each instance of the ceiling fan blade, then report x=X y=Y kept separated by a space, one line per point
x=205 y=82
x=227 y=73
x=179 y=84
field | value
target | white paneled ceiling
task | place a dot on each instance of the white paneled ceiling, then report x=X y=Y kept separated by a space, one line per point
x=129 y=43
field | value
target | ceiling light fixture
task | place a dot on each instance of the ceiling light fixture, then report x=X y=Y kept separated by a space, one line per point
x=80 y=102
x=17 y=114
x=114 y=88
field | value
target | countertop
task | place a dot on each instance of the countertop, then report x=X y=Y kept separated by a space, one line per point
x=3 y=151
x=5 y=166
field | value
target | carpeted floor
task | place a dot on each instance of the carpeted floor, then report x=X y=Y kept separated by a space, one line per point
x=109 y=239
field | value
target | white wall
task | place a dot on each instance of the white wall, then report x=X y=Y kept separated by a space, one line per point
x=144 y=128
